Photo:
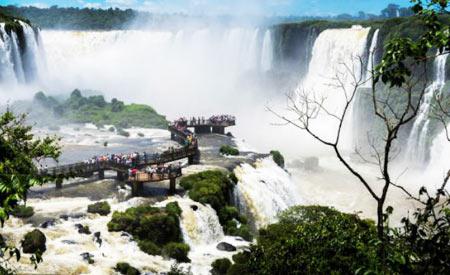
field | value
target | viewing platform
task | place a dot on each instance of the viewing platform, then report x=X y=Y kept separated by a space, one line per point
x=129 y=166
x=214 y=124
x=168 y=173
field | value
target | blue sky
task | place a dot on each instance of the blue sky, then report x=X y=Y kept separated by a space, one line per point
x=260 y=7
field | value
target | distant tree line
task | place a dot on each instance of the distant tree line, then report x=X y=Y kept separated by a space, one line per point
x=108 y=19
x=73 y=18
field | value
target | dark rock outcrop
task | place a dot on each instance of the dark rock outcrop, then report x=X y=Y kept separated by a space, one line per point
x=223 y=246
x=34 y=242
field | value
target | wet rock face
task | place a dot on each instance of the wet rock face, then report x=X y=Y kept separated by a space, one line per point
x=48 y=223
x=83 y=229
x=223 y=246
x=70 y=242
x=97 y=238
x=34 y=242
x=87 y=257
x=72 y=216
x=194 y=207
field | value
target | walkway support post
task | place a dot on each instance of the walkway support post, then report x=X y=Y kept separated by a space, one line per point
x=202 y=129
x=59 y=182
x=120 y=176
x=173 y=185
x=195 y=159
x=101 y=174
x=218 y=130
x=137 y=188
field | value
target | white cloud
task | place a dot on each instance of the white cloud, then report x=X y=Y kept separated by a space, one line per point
x=121 y=3
x=92 y=5
x=39 y=5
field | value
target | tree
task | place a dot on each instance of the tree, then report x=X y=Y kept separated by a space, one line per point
x=391 y=11
x=398 y=85
x=20 y=151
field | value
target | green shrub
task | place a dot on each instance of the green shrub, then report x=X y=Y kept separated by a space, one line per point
x=126 y=269
x=160 y=228
x=228 y=213
x=312 y=240
x=228 y=150
x=220 y=266
x=177 y=251
x=22 y=211
x=34 y=242
x=173 y=208
x=152 y=227
x=149 y=247
x=211 y=187
x=102 y=208
x=277 y=158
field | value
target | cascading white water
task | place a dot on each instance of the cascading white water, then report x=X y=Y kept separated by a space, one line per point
x=202 y=232
x=20 y=63
x=264 y=191
x=267 y=52
x=336 y=54
x=416 y=150
x=152 y=64
x=371 y=58
x=7 y=73
x=362 y=125
x=200 y=226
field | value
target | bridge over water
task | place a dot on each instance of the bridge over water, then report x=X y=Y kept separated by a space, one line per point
x=179 y=133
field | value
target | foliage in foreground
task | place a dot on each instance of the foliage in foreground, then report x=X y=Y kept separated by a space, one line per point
x=321 y=240
x=19 y=151
x=214 y=188
x=310 y=240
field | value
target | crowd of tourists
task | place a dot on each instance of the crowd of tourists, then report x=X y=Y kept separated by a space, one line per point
x=157 y=172
x=217 y=119
x=222 y=119
x=125 y=159
x=181 y=125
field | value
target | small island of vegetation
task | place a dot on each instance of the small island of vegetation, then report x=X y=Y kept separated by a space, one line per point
x=95 y=109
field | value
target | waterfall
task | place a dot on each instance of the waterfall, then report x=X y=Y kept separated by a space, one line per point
x=252 y=52
x=201 y=226
x=21 y=55
x=416 y=148
x=31 y=55
x=371 y=58
x=267 y=52
x=7 y=73
x=335 y=53
x=18 y=65
x=263 y=191
x=362 y=114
